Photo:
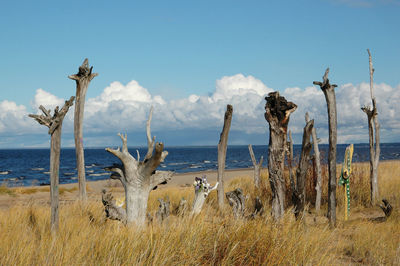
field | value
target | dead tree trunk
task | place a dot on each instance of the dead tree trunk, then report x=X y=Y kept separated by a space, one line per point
x=113 y=211
x=374 y=147
x=82 y=79
x=54 y=123
x=139 y=178
x=222 y=145
x=163 y=209
x=201 y=189
x=257 y=167
x=329 y=92
x=299 y=195
x=237 y=201
x=277 y=113
x=289 y=156
x=317 y=167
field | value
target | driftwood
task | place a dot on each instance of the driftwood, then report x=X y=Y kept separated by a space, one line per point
x=277 y=113
x=139 y=177
x=299 y=195
x=236 y=200
x=82 y=78
x=329 y=92
x=222 y=146
x=163 y=209
x=387 y=210
x=54 y=123
x=201 y=189
x=258 y=208
x=257 y=167
x=112 y=210
x=374 y=146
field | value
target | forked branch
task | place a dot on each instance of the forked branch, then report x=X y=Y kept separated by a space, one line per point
x=150 y=139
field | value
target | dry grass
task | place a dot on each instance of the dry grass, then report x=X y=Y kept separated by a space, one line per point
x=213 y=237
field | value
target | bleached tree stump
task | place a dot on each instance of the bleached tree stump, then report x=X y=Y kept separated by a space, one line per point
x=257 y=167
x=277 y=113
x=201 y=189
x=237 y=201
x=329 y=92
x=222 y=146
x=163 y=209
x=301 y=173
x=112 y=210
x=82 y=78
x=182 y=208
x=54 y=123
x=139 y=177
x=317 y=160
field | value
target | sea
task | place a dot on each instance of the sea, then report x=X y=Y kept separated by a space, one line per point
x=27 y=167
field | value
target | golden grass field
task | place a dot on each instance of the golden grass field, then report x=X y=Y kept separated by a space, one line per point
x=213 y=237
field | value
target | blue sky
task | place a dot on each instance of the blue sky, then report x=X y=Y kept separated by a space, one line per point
x=175 y=49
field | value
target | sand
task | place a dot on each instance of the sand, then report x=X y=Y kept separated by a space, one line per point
x=41 y=195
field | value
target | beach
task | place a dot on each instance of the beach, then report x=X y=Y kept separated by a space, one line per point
x=69 y=192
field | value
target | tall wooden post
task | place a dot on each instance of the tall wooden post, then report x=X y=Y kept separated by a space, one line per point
x=329 y=92
x=317 y=167
x=54 y=123
x=277 y=113
x=82 y=78
x=222 y=146
x=374 y=147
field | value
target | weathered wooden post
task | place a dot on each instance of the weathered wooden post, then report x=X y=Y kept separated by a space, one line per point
x=82 y=78
x=374 y=147
x=139 y=177
x=54 y=123
x=329 y=92
x=201 y=189
x=257 y=167
x=222 y=146
x=289 y=158
x=277 y=113
x=301 y=173
x=317 y=166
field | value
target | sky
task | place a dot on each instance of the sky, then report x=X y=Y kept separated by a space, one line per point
x=189 y=59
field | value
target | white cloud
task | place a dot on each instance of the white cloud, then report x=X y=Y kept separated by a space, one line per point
x=124 y=108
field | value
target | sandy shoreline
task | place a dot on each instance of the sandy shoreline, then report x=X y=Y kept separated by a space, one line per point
x=69 y=192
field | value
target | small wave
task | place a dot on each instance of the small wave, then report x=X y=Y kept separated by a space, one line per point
x=99 y=174
x=47 y=173
x=68 y=174
x=37 y=169
x=194 y=166
x=4 y=172
x=89 y=171
x=172 y=164
x=206 y=161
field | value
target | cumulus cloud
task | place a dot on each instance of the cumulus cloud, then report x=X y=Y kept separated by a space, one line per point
x=124 y=108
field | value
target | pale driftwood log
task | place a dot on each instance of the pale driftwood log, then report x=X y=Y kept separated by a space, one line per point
x=82 y=78
x=139 y=177
x=163 y=209
x=330 y=97
x=111 y=209
x=54 y=123
x=201 y=189
x=299 y=195
x=257 y=167
x=237 y=201
x=277 y=113
x=222 y=146
x=318 y=170
x=374 y=146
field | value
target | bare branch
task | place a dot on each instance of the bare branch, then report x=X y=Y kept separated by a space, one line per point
x=138 y=155
x=253 y=158
x=124 y=142
x=160 y=177
x=150 y=140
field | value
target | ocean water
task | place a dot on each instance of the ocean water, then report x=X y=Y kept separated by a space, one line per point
x=25 y=167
